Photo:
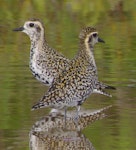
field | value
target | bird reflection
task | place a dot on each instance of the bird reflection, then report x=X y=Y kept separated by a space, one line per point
x=50 y=132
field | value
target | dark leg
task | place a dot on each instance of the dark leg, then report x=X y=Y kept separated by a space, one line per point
x=65 y=115
x=77 y=114
x=78 y=109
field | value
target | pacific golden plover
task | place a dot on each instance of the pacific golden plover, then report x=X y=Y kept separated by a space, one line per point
x=45 y=62
x=75 y=83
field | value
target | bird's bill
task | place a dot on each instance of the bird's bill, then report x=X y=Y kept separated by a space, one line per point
x=19 y=29
x=100 y=40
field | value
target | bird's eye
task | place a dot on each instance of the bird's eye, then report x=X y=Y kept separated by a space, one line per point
x=31 y=24
x=95 y=35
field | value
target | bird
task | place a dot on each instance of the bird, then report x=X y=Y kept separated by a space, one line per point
x=45 y=62
x=78 y=80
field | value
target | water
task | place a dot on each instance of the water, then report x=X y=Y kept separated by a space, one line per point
x=116 y=61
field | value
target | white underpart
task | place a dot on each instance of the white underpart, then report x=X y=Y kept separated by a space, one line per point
x=38 y=68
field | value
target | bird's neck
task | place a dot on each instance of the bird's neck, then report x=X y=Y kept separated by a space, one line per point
x=86 y=50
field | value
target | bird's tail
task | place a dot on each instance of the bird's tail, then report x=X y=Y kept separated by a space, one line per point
x=105 y=86
x=42 y=103
x=100 y=91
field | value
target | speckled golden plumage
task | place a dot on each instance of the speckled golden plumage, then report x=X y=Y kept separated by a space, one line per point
x=45 y=62
x=78 y=80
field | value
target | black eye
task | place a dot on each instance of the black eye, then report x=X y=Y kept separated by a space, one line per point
x=31 y=24
x=95 y=35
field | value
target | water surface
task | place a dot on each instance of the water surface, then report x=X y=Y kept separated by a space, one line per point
x=116 y=63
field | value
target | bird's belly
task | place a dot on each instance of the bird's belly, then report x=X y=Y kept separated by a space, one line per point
x=43 y=75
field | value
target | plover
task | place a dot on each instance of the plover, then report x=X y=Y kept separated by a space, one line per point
x=79 y=80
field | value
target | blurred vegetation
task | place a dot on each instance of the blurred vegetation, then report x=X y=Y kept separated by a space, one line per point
x=116 y=60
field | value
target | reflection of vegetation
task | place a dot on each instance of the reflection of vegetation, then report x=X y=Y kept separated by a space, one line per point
x=116 y=60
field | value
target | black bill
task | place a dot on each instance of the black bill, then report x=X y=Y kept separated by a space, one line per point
x=19 y=29
x=100 y=40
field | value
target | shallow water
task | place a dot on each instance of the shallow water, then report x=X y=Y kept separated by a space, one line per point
x=116 y=63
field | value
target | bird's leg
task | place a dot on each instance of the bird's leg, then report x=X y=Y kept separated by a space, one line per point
x=77 y=114
x=65 y=115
